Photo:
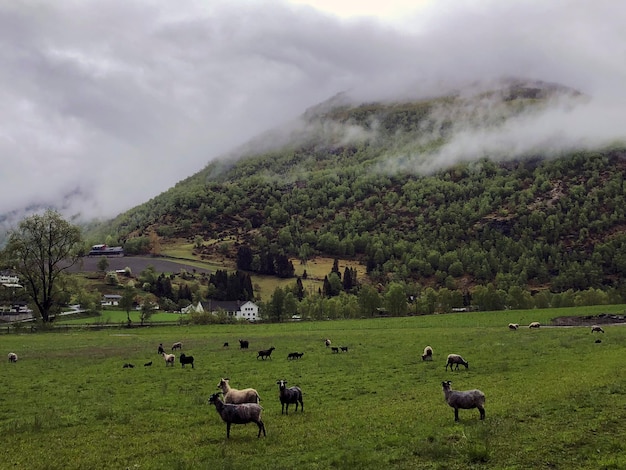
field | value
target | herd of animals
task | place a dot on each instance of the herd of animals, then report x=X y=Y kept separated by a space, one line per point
x=241 y=406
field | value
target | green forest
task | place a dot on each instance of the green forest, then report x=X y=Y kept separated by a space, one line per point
x=518 y=228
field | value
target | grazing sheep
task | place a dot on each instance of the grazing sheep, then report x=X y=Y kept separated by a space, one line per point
x=289 y=396
x=427 y=355
x=456 y=359
x=343 y=348
x=12 y=357
x=295 y=355
x=225 y=345
x=148 y=364
x=597 y=329
x=464 y=400
x=598 y=341
x=169 y=359
x=128 y=366
x=177 y=345
x=185 y=360
x=513 y=326
x=238 y=414
x=160 y=351
x=334 y=349
x=327 y=342
x=265 y=353
x=243 y=344
x=232 y=395
x=534 y=324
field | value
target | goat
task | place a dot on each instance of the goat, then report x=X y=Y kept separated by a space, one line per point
x=232 y=395
x=265 y=353
x=238 y=414
x=289 y=396
x=186 y=360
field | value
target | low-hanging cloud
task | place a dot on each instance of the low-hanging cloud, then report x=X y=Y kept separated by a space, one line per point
x=109 y=103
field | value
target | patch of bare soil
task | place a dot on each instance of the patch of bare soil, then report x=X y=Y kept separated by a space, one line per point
x=588 y=320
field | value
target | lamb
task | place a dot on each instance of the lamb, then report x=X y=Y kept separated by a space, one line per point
x=597 y=329
x=266 y=353
x=456 y=359
x=238 y=414
x=128 y=365
x=334 y=349
x=295 y=355
x=343 y=348
x=148 y=364
x=225 y=345
x=160 y=351
x=427 y=355
x=177 y=345
x=513 y=326
x=169 y=359
x=534 y=324
x=186 y=360
x=243 y=344
x=12 y=357
x=464 y=400
x=232 y=395
x=289 y=396
x=327 y=342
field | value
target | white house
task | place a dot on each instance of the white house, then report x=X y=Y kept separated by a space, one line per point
x=110 y=300
x=191 y=308
x=247 y=310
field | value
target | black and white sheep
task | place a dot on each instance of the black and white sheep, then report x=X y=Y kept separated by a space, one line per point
x=232 y=395
x=427 y=355
x=465 y=400
x=160 y=351
x=243 y=413
x=343 y=348
x=169 y=359
x=265 y=353
x=289 y=396
x=327 y=342
x=177 y=345
x=534 y=324
x=513 y=326
x=12 y=357
x=184 y=359
x=455 y=359
x=597 y=329
x=244 y=343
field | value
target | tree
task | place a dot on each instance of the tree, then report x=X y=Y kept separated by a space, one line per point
x=147 y=309
x=127 y=301
x=40 y=251
x=103 y=264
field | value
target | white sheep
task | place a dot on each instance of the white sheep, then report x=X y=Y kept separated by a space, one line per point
x=597 y=329
x=169 y=359
x=456 y=359
x=428 y=354
x=232 y=395
x=464 y=400
x=513 y=326
x=12 y=357
x=242 y=413
x=534 y=324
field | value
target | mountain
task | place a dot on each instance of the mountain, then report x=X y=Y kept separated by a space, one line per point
x=475 y=187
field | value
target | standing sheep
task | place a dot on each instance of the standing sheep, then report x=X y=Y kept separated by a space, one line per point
x=456 y=359
x=427 y=355
x=244 y=343
x=232 y=395
x=265 y=353
x=534 y=324
x=597 y=329
x=327 y=342
x=289 y=396
x=464 y=400
x=169 y=359
x=238 y=414
x=513 y=326
x=12 y=357
x=185 y=360
x=177 y=345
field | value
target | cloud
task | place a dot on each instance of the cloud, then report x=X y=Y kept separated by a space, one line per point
x=109 y=103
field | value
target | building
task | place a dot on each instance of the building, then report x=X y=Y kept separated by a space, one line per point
x=105 y=250
x=240 y=310
x=110 y=300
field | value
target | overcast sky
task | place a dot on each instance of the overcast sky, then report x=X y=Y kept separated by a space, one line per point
x=107 y=103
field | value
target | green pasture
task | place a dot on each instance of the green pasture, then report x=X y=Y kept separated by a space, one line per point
x=555 y=397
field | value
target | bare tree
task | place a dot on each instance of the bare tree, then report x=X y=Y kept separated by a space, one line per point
x=40 y=250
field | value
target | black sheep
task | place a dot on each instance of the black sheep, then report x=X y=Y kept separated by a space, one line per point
x=186 y=360
x=289 y=396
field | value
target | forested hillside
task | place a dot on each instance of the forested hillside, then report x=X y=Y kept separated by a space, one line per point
x=364 y=183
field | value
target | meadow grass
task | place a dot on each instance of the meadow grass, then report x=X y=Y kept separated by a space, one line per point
x=555 y=398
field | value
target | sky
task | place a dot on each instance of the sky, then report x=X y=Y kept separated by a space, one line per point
x=108 y=103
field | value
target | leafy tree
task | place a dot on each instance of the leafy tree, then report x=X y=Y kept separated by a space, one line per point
x=103 y=264
x=40 y=251
x=395 y=299
x=127 y=301
x=369 y=300
x=147 y=309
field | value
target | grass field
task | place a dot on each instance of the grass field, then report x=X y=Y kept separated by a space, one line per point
x=555 y=398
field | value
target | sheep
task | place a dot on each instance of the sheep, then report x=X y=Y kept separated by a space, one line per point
x=513 y=326
x=148 y=364
x=225 y=345
x=186 y=360
x=128 y=365
x=598 y=341
x=243 y=344
x=597 y=329
x=534 y=324
x=177 y=345
x=169 y=359
x=232 y=395
x=238 y=414
x=327 y=342
x=12 y=357
x=427 y=355
x=456 y=359
x=160 y=351
x=289 y=396
x=295 y=355
x=464 y=400
x=334 y=349
x=265 y=353
x=343 y=348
